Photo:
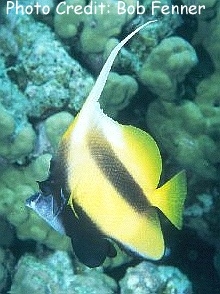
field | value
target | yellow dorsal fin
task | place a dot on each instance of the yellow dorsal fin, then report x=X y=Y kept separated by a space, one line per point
x=142 y=158
x=170 y=198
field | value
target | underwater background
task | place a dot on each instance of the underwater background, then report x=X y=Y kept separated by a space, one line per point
x=166 y=81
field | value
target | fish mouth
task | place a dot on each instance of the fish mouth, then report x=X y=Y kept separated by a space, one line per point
x=31 y=201
x=41 y=203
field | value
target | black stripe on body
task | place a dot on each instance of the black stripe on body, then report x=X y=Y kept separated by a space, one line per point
x=89 y=244
x=117 y=174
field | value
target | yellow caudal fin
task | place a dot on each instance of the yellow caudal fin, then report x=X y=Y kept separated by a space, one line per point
x=170 y=198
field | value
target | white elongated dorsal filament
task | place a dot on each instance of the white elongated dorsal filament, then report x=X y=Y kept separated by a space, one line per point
x=101 y=80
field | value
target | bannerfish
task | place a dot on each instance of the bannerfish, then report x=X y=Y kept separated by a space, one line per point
x=103 y=184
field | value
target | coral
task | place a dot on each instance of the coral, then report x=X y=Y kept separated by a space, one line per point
x=174 y=281
x=3 y=272
x=202 y=216
x=6 y=266
x=207 y=91
x=124 y=88
x=141 y=279
x=147 y=278
x=8 y=44
x=16 y=185
x=97 y=35
x=97 y=28
x=55 y=126
x=53 y=79
x=66 y=25
x=6 y=233
x=54 y=274
x=184 y=133
x=17 y=140
x=16 y=133
x=134 y=55
x=178 y=58
x=189 y=132
x=7 y=124
x=207 y=33
x=208 y=101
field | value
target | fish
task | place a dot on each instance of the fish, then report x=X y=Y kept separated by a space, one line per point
x=103 y=185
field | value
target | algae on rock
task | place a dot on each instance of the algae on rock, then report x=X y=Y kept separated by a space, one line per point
x=55 y=274
x=148 y=278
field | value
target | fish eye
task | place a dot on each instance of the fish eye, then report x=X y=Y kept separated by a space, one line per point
x=45 y=188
